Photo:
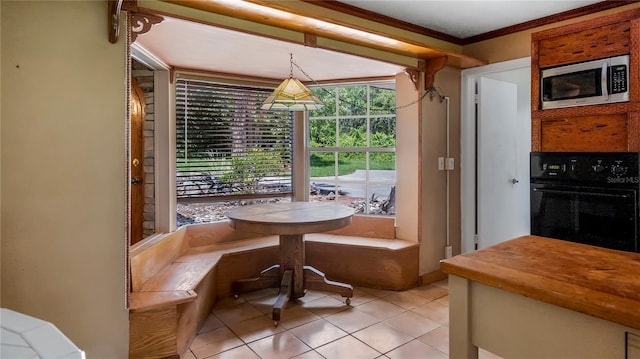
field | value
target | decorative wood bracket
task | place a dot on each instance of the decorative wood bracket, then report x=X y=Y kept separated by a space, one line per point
x=114 y=7
x=141 y=23
x=414 y=76
x=432 y=67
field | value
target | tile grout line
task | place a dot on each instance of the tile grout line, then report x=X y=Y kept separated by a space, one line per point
x=374 y=297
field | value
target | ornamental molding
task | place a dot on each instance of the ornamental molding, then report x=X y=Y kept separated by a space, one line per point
x=414 y=75
x=141 y=23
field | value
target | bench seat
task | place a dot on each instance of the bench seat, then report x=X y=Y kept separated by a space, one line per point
x=364 y=261
x=188 y=270
x=141 y=301
x=167 y=309
x=177 y=278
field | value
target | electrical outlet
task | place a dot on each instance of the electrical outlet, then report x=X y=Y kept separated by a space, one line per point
x=441 y=163
x=450 y=164
x=448 y=251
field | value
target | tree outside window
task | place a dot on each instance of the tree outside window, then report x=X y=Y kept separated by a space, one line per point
x=352 y=146
x=229 y=152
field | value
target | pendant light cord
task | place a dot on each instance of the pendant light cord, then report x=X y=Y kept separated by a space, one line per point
x=432 y=92
x=291 y=66
x=301 y=70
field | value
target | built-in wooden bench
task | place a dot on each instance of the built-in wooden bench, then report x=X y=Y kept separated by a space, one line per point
x=177 y=278
x=363 y=261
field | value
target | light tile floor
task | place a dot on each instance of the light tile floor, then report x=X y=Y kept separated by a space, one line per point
x=377 y=324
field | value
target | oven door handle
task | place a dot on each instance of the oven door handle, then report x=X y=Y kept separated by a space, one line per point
x=610 y=195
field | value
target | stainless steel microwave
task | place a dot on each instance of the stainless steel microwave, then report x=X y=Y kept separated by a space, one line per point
x=586 y=83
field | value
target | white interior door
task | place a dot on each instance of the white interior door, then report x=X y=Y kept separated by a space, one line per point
x=501 y=184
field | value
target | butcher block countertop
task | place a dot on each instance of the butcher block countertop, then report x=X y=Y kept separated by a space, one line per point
x=599 y=282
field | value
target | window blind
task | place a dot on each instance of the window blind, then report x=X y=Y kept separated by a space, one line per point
x=226 y=146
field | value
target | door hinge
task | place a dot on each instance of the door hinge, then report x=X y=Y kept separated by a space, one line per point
x=476 y=98
x=476 y=240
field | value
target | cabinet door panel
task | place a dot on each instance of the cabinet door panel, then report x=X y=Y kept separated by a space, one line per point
x=606 y=133
x=590 y=44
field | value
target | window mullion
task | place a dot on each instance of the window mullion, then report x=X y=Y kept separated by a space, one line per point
x=364 y=139
x=337 y=141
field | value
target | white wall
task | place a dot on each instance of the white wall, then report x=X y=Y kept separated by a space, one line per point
x=407 y=159
x=63 y=171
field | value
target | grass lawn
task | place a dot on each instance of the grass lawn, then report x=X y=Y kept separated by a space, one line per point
x=321 y=166
x=325 y=166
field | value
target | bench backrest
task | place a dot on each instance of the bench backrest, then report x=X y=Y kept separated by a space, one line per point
x=153 y=254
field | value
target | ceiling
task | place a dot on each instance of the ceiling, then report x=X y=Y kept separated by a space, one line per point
x=220 y=50
x=466 y=18
x=182 y=44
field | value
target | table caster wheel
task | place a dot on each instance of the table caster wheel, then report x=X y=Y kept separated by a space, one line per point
x=275 y=323
x=348 y=301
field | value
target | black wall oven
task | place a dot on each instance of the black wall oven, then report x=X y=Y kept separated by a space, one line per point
x=590 y=198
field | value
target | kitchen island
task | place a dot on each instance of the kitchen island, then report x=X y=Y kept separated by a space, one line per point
x=536 y=297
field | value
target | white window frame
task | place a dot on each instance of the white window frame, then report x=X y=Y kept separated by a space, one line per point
x=338 y=149
x=165 y=160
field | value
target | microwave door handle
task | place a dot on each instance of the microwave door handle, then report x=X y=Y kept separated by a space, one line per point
x=604 y=79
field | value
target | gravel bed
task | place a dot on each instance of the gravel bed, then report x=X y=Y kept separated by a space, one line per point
x=189 y=213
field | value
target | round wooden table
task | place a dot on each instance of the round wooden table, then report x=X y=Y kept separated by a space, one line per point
x=291 y=220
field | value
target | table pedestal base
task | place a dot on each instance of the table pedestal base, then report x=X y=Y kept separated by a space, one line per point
x=292 y=277
x=271 y=278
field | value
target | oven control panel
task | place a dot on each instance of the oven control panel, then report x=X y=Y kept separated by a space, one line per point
x=608 y=168
x=616 y=168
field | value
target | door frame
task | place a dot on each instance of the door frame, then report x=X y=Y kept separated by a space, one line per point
x=469 y=79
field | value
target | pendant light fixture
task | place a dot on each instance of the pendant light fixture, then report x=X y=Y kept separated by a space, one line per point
x=292 y=95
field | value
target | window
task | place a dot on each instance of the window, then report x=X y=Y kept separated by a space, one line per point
x=227 y=149
x=352 y=146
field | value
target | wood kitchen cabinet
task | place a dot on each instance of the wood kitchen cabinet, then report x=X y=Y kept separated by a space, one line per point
x=590 y=128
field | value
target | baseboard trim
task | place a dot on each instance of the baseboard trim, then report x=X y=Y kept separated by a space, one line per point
x=432 y=277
